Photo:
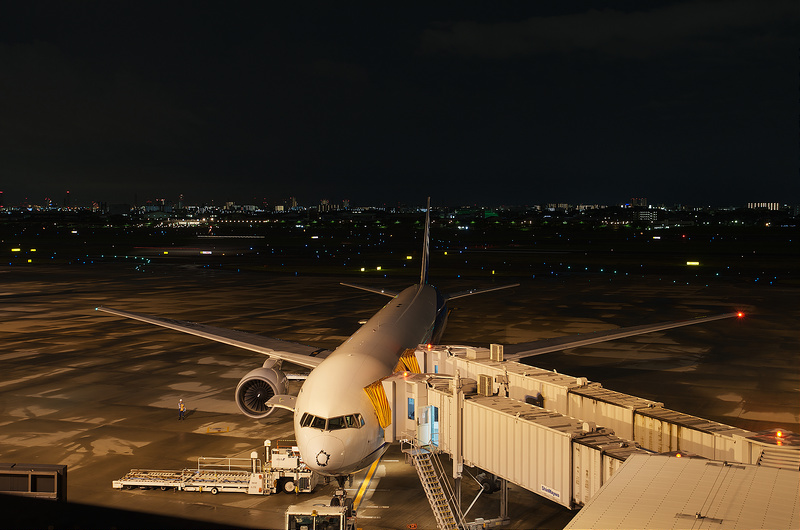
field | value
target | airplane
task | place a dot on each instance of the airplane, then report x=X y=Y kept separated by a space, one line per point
x=335 y=422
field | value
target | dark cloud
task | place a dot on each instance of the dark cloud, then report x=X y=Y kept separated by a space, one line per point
x=528 y=102
x=688 y=26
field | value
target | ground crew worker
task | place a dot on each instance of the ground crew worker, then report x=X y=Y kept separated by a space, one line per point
x=181 y=409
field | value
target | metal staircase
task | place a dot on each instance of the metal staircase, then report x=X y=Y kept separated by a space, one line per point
x=439 y=493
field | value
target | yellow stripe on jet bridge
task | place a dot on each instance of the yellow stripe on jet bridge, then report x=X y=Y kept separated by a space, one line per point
x=377 y=395
x=408 y=362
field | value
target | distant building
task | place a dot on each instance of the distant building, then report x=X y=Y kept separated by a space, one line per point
x=639 y=201
x=649 y=216
x=767 y=205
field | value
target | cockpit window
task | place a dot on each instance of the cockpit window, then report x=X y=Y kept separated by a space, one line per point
x=336 y=423
x=351 y=421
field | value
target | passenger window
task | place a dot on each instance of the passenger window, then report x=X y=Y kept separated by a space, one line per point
x=336 y=423
x=318 y=423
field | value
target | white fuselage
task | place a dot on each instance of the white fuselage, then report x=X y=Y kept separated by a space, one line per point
x=335 y=389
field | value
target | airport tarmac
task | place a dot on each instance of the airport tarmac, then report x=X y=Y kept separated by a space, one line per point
x=99 y=393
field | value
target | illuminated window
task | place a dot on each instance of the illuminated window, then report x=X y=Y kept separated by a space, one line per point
x=410 y=408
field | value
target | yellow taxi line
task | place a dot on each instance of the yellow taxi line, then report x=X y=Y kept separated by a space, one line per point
x=365 y=484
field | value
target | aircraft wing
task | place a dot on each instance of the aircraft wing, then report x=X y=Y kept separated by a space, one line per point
x=515 y=352
x=384 y=292
x=470 y=292
x=295 y=353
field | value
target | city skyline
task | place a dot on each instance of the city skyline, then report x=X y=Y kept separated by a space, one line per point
x=68 y=200
x=682 y=102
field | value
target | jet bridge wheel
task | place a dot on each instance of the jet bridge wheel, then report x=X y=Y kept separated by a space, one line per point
x=214 y=490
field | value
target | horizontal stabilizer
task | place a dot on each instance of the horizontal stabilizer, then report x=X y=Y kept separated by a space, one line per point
x=292 y=352
x=515 y=352
x=470 y=292
x=384 y=292
x=282 y=401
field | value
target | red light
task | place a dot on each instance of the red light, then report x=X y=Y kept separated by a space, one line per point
x=405 y=374
x=430 y=346
x=740 y=314
x=779 y=434
x=677 y=455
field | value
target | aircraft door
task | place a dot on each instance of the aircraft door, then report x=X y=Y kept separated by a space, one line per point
x=428 y=427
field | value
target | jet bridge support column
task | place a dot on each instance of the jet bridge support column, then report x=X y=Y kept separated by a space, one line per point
x=503 y=498
x=458 y=459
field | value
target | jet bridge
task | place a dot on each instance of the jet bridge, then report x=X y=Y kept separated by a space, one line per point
x=559 y=436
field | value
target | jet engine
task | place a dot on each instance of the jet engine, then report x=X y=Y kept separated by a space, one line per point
x=258 y=386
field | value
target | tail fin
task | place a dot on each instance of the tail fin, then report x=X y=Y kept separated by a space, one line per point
x=426 y=246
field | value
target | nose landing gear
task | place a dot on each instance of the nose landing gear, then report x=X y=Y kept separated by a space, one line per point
x=340 y=497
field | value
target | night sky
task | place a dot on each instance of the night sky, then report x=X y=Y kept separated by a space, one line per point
x=386 y=103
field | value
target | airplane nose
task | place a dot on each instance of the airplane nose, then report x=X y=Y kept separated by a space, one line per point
x=326 y=454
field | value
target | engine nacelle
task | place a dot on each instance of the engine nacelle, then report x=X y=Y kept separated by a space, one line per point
x=258 y=386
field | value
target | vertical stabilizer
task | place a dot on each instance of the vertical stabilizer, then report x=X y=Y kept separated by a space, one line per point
x=426 y=245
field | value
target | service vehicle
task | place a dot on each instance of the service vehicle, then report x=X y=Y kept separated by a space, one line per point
x=317 y=515
x=286 y=472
